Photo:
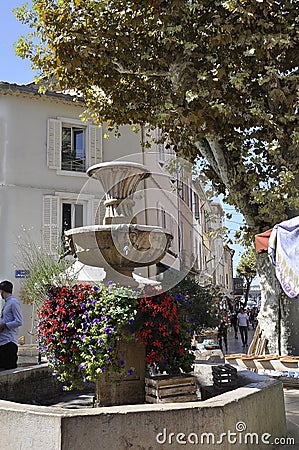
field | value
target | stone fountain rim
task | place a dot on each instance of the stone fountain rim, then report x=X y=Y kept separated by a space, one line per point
x=253 y=385
x=118 y=165
x=116 y=227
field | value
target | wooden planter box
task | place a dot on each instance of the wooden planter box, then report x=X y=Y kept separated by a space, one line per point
x=167 y=388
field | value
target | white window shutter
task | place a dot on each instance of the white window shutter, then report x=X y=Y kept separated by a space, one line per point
x=50 y=224
x=95 y=145
x=98 y=213
x=54 y=144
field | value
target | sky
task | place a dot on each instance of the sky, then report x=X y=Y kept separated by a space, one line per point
x=14 y=69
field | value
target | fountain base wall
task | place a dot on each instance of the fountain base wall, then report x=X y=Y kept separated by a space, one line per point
x=259 y=405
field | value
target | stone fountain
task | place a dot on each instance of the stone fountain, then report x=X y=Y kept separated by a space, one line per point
x=123 y=244
x=119 y=244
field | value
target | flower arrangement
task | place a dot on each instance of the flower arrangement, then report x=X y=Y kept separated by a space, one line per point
x=165 y=332
x=81 y=326
x=79 y=329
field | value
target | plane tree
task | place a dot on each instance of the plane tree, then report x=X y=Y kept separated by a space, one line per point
x=219 y=78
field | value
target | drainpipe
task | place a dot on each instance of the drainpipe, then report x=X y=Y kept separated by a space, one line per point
x=145 y=183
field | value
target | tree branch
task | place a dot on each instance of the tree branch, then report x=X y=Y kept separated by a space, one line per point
x=212 y=151
x=121 y=69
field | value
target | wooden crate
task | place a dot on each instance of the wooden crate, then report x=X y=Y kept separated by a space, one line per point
x=224 y=376
x=167 y=388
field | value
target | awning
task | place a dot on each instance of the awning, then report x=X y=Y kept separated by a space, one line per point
x=262 y=241
x=85 y=273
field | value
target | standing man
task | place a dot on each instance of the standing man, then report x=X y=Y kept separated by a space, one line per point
x=243 y=323
x=11 y=320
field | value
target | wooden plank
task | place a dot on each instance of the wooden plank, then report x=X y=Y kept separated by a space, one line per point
x=179 y=381
x=253 y=345
x=170 y=391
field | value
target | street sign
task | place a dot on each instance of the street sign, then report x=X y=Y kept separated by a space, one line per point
x=21 y=273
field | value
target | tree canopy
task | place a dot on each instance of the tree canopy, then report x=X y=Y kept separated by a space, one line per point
x=220 y=78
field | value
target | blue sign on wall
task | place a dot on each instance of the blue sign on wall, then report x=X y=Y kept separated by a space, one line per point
x=22 y=273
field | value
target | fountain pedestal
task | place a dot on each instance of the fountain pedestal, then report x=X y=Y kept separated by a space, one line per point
x=129 y=390
x=119 y=245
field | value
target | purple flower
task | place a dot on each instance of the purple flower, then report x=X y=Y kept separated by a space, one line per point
x=179 y=297
x=121 y=362
x=130 y=372
x=82 y=366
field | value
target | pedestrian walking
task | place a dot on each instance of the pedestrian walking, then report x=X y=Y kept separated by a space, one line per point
x=243 y=324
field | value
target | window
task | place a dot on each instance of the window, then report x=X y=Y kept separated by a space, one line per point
x=196 y=206
x=164 y=151
x=163 y=215
x=72 y=216
x=71 y=146
x=73 y=152
x=62 y=212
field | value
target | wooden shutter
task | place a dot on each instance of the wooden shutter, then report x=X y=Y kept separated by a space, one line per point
x=98 y=212
x=50 y=224
x=95 y=145
x=54 y=144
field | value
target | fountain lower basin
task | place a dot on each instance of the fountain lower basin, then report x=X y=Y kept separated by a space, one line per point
x=122 y=247
x=149 y=426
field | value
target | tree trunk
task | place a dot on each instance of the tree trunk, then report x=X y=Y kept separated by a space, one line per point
x=247 y=290
x=279 y=314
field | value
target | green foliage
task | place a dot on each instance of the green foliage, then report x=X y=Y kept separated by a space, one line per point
x=219 y=78
x=199 y=305
x=247 y=265
x=43 y=270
